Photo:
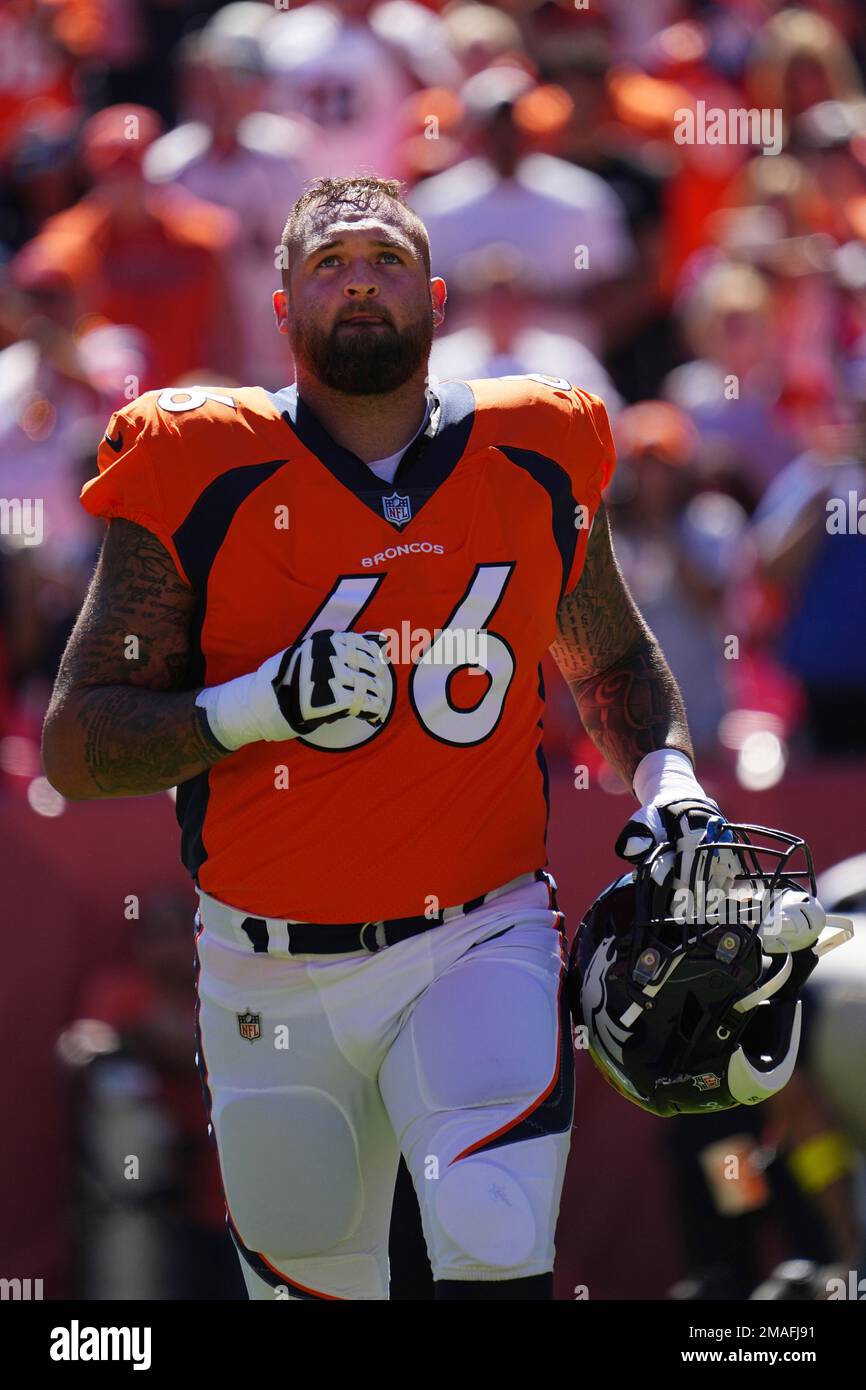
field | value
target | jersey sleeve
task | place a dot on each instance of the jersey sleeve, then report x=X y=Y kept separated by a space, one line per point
x=591 y=460
x=127 y=484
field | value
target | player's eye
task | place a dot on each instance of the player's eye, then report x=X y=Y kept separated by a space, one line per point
x=394 y=258
x=325 y=259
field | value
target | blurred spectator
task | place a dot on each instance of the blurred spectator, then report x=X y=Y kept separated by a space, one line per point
x=37 y=74
x=49 y=395
x=786 y=195
x=43 y=178
x=481 y=36
x=810 y=534
x=504 y=332
x=129 y=52
x=330 y=63
x=232 y=154
x=639 y=341
x=798 y=59
x=635 y=26
x=732 y=391
x=45 y=394
x=146 y=256
x=676 y=82
x=678 y=548
x=419 y=39
x=60 y=376
x=564 y=221
x=831 y=140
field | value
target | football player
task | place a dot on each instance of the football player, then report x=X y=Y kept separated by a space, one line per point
x=321 y=613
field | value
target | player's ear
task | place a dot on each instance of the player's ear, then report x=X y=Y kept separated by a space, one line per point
x=438 y=297
x=281 y=310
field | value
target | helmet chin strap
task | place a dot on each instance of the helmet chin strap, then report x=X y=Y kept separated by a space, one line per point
x=838 y=938
x=820 y=948
x=767 y=989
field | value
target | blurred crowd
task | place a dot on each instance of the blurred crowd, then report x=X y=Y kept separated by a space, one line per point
x=711 y=290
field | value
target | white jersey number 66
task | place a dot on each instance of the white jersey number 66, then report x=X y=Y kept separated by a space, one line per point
x=464 y=643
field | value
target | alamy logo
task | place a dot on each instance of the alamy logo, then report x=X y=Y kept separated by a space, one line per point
x=77 y=1343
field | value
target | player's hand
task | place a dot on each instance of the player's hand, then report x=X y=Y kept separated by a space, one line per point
x=683 y=825
x=329 y=676
x=325 y=677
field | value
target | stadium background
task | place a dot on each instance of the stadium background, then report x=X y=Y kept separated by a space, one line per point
x=714 y=296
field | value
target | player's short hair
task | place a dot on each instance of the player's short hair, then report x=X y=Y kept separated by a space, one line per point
x=363 y=193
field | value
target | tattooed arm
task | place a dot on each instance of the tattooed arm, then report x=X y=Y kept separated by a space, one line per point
x=122 y=721
x=628 y=700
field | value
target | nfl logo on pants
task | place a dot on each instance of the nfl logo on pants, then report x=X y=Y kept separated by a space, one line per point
x=250 y=1026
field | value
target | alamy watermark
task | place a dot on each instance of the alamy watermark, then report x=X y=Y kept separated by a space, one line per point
x=451 y=646
x=22 y=516
x=708 y=907
x=21 y=1290
x=713 y=125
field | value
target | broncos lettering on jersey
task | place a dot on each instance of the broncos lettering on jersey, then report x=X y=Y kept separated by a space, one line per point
x=280 y=532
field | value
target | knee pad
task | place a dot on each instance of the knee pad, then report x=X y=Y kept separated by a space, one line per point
x=486 y=1216
x=289 y=1161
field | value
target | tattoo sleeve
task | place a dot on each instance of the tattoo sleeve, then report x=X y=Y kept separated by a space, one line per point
x=627 y=697
x=122 y=720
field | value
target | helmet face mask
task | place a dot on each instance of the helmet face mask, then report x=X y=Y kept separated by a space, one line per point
x=687 y=1004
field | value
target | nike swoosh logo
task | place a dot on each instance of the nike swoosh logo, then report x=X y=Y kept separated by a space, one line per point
x=116 y=444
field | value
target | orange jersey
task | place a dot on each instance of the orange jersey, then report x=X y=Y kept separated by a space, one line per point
x=462 y=560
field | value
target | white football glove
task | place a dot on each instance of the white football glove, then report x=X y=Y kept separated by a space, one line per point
x=676 y=811
x=325 y=677
x=684 y=825
x=331 y=675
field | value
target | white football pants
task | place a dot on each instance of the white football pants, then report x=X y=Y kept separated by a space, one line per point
x=454 y=1046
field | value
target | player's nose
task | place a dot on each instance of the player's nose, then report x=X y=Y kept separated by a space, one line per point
x=360 y=287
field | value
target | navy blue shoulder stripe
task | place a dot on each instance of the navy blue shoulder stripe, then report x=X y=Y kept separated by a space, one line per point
x=557 y=484
x=202 y=532
x=197 y=540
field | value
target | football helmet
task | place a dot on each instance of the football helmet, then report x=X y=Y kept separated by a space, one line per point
x=689 y=996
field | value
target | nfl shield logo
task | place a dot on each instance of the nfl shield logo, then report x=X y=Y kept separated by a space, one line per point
x=250 y=1026
x=397 y=509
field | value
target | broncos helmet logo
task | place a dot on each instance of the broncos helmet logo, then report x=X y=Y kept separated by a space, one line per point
x=608 y=1035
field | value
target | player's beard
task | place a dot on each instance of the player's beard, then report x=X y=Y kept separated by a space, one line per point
x=363 y=362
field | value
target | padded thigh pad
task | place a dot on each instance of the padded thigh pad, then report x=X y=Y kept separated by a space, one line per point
x=290 y=1163
x=484 y=1034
